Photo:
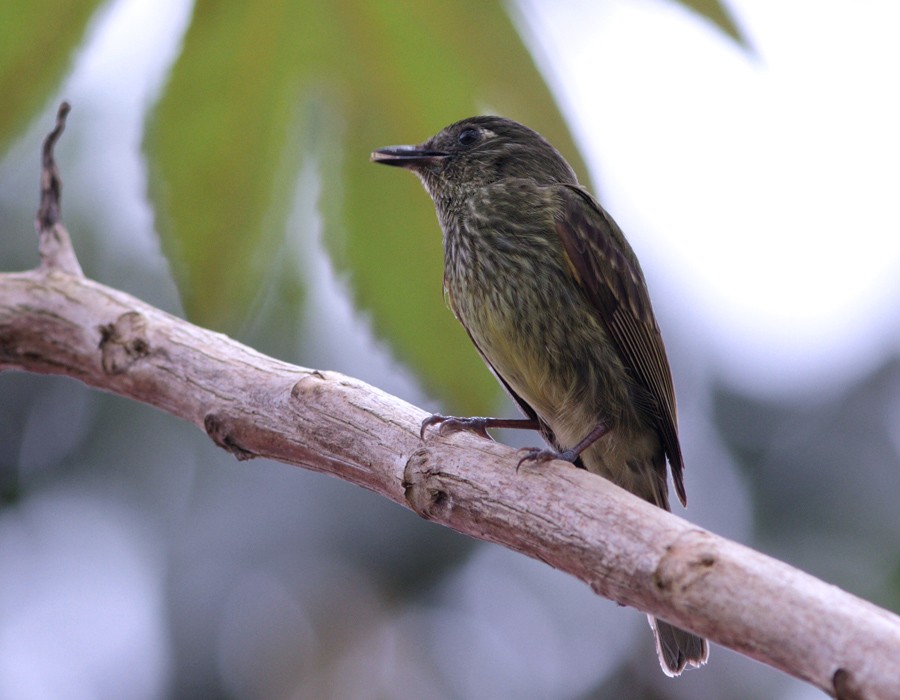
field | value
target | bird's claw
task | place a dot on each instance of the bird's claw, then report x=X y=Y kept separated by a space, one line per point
x=452 y=424
x=539 y=455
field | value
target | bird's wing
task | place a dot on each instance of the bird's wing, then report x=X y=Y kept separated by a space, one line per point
x=608 y=271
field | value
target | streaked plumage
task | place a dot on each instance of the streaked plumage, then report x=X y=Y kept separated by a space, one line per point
x=554 y=299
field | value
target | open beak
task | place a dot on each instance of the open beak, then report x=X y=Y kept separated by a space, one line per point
x=407 y=156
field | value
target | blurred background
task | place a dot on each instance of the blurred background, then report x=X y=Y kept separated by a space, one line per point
x=215 y=164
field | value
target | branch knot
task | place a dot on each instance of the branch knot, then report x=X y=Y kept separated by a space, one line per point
x=423 y=488
x=222 y=430
x=123 y=343
x=687 y=561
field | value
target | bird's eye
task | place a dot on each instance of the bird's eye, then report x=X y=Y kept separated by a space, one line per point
x=468 y=136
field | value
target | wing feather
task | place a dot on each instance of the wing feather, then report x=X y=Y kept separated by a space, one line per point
x=608 y=271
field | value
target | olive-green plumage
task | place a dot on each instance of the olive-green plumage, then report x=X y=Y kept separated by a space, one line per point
x=554 y=299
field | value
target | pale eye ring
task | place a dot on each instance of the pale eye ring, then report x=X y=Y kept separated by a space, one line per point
x=468 y=136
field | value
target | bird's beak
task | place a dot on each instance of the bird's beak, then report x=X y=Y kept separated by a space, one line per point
x=407 y=156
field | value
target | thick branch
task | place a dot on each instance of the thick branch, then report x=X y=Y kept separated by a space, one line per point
x=52 y=322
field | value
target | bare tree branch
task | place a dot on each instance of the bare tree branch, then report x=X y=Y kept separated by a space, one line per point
x=55 y=321
x=54 y=244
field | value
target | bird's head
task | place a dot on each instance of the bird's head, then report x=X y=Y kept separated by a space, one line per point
x=479 y=151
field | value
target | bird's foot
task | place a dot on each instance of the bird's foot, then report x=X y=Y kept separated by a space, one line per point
x=539 y=455
x=452 y=424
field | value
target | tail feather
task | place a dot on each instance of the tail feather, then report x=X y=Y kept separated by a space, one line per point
x=677 y=648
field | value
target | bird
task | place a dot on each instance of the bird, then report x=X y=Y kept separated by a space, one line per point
x=554 y=299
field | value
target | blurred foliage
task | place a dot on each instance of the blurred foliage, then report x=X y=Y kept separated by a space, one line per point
x=221 y=145
x=718 y=14
x=37 y=40
x=449 y=60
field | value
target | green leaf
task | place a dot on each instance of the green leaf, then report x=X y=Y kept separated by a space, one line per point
x=222 y=162
x=37 y=40
x=416 y=67
x=718 y=14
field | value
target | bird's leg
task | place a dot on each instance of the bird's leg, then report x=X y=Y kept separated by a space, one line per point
x=478 y=425
x=536 y=454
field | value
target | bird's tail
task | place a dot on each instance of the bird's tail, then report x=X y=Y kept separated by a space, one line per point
x=677 y=648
